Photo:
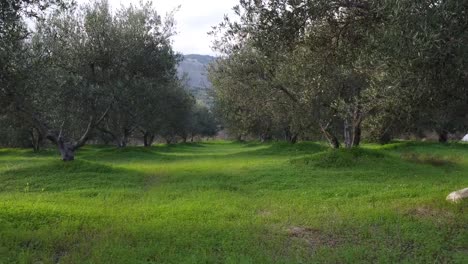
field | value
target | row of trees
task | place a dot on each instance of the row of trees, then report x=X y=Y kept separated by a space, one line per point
x=87 y=73
x=343 y=69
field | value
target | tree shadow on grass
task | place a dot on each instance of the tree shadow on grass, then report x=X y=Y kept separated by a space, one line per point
x=286 y=149
x=56 y=238
x=177 y=152
x=362 y=163
x=197 y=151
x=404 y=145
x=65 y=176
x=94 y=167
x=227 y=234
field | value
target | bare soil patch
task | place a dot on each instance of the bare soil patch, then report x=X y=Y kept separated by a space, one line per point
x=314 y=238
x=433 y=214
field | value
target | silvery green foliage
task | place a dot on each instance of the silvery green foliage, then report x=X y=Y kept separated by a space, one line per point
x=86 y=69
x=338 y=65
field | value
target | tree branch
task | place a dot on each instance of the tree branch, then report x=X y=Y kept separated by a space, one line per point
x=91 y=125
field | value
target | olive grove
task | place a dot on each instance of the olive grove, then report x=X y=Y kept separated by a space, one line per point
x=88 y=72
x=342 y=69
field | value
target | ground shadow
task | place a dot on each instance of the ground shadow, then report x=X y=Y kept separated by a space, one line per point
x=57 y=175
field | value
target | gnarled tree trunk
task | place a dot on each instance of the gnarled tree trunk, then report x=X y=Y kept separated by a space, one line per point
x=293 y=138
x=347 y=134
x=289 y=136
x=334 y=142
x=357 y=134
x=66 y=147
x=352 y=130
x=169 y=140
x=148 y=139
x=123 y=140
x=36 y=139
x=67 y=150
x=443 y=136
x=331 y=138
x=385 y=138
x=264 y=137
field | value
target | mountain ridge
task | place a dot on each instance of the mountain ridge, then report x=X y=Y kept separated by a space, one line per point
x=193 y=68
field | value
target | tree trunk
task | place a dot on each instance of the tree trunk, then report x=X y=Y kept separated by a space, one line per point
x=123 y=141
x=36 y=139
x=293 y=139
x=287 y=133
x=148 y=139
x=385 y=138
x=348 y=139
x=443 y=136
x=357 y=134
x=265 y=137
x=352 y=131
x=332 y=140
x=169 y=140
x=67 y=151
x=145 y=139
x=290 y=136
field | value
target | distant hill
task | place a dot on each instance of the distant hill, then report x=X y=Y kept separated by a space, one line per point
x=194 y=67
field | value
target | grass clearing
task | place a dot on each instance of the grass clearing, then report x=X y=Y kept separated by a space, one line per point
x=224 y=202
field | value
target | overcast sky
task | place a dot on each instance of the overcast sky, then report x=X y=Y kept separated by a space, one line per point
x=194 y=19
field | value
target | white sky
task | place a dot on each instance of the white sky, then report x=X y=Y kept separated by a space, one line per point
x=194 y=20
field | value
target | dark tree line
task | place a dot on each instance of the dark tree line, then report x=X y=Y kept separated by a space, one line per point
x=343 y=69
x=87 y=73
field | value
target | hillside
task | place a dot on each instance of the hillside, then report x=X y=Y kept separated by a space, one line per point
x=194 y=67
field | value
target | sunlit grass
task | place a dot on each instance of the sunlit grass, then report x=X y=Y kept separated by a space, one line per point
x=223 y=202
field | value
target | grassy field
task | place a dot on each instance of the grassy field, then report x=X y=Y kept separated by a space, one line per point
x=226 y=202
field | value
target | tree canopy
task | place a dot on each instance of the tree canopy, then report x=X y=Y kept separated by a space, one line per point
x=90 y=73
x=336 y=67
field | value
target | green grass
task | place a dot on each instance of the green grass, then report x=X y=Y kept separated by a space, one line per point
x=225 y=202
